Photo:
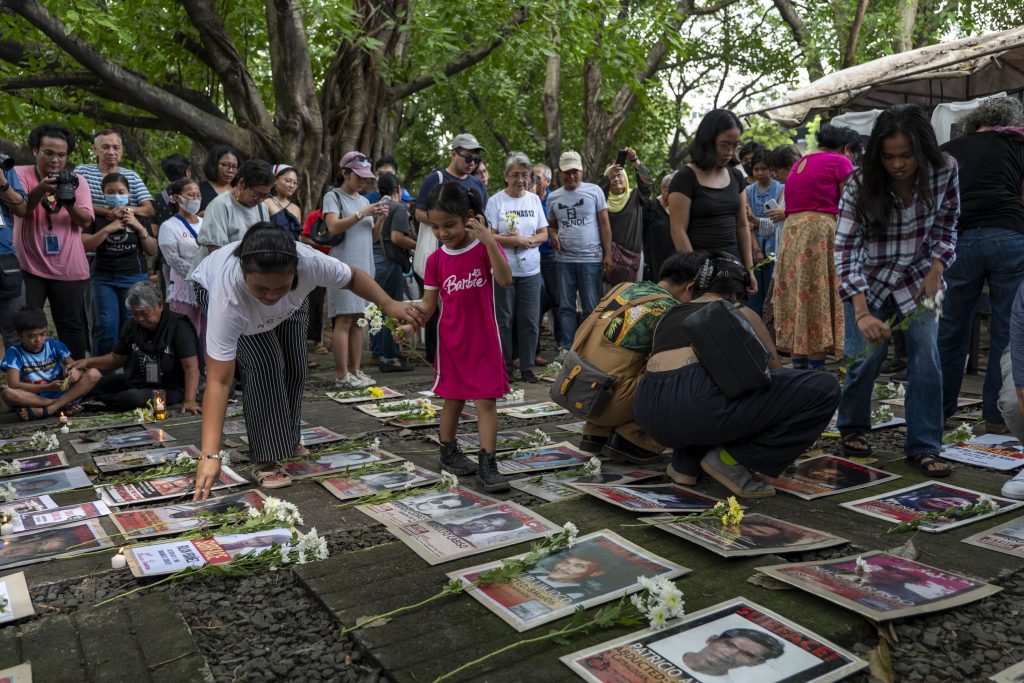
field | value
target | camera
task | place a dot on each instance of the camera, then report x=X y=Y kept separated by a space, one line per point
x=6 y=163
x=67 y=183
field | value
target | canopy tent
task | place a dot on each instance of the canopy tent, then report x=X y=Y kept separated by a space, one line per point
x=955 y=71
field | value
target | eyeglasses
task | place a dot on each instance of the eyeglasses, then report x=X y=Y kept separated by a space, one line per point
x=229 y=166
x=519 y=176
x=470 y=159
x=51 y=154
x=258 y=195
x=729 y=146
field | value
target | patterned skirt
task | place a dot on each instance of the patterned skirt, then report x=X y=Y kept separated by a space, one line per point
x=808 y=310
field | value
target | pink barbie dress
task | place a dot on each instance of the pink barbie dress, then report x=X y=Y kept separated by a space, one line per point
x=469 y=363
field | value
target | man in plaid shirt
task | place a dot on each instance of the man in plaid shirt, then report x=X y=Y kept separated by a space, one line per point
x=895 y=237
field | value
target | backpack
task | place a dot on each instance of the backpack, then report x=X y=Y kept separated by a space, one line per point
x=318 y=230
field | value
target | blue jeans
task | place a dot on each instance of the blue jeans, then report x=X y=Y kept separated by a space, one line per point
x=924 y=377
x=995 y=255
x=108 y=309
x=518 y=310
x=584 y=278
x=762 y=275
x=388 y=275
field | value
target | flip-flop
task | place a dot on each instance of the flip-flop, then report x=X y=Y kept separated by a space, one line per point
x=264 y=475
x=27 y=414
x=859 y=438
x=923 y=463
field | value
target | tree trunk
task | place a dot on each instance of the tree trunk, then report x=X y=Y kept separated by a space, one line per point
x=851 y=44
x=905 y=27
x=551 y=99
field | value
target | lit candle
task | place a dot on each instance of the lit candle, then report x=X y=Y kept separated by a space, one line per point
x=7 y=528
x=63 y=421
x=119 y=561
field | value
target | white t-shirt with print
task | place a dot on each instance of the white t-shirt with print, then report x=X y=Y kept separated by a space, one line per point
x=522 y=216
x=234 y=312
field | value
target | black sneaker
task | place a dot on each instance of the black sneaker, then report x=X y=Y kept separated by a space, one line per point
x=528 y=377
x=395 y=367
x=453 y=460
x=592 y=444
x=620 y=449
x=487 y=473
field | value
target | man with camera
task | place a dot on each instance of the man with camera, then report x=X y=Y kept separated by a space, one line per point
x=49 y=235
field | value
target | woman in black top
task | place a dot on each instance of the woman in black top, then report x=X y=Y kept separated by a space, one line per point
x=707 y=204
x=679 y=405
x=121 y=247
x=284 y=213
x=220 y=168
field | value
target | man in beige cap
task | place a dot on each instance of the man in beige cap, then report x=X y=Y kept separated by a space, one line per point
x=582 y=236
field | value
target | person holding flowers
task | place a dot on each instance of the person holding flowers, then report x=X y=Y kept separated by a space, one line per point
x=469 y=364
x=895 y=237
x=255 y=292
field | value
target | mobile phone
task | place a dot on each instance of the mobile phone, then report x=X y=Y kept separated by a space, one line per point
x=621 y=158
x=771 y=204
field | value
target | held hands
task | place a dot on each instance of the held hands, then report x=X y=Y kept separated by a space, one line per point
x=873 y=329
x=406 y=311
x=207 y=473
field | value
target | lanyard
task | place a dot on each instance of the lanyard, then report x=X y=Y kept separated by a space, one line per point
x=187 y=225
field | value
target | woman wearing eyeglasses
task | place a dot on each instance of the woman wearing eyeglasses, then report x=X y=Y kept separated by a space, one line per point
x=347 y=212
x=231 y=214
x=220 y=168
x=707 y=205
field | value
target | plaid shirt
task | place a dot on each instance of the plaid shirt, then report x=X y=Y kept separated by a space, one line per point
x=895 y=262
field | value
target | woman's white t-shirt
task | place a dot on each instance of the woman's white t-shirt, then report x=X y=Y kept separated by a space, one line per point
x=234 y=312
x=522 y=216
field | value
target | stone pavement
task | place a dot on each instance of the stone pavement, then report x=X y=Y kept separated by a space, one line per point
x=155 y=643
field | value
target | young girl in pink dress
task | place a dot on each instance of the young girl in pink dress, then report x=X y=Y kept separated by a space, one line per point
x=469 y=364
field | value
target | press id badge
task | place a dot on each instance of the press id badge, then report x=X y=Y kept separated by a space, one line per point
x=52 y=243
x=152 y=372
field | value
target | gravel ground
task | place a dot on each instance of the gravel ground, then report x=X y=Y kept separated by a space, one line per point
x=276 y=633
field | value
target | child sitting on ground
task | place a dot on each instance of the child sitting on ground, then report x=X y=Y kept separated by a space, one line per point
x=37 y=368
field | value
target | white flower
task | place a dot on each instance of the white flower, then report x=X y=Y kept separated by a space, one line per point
x=9 y=468
x=277 y=510
x=901 y=391
x=647 y=584
x=540 y=437
x=986 y=501
x=448 y=480
x=593 y=466
x=408 y=467
x=253 y=513
x=375 y=444
x=966 y=505
x=225 y=458
x=372 y=317
x=881 y=415
x=861 y=565
x=41 y=441
x=300 y=558
x=658 y=616
x=7 y=492
x=673 y=601
x=285 y=556
x=572 y=530
x=183 y=459
x=638 y=602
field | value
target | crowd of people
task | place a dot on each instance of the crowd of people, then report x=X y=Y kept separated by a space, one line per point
x=226 y=280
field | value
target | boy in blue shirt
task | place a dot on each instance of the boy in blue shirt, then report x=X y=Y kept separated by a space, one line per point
x=37 y=368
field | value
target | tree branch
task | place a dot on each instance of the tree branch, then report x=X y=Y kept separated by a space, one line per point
x=851 y=44
x=97 y=111
x=140 y=93
x=489 y=122
x=462 y=62
x=693 y=10
x=788 y=12
x=297 y=104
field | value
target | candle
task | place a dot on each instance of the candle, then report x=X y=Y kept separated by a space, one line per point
x=7 y=528
x=159 y=404
x=65 y=429
x=119 y=561
x=63 y=421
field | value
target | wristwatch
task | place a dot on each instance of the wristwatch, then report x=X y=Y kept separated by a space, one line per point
x=212 y=456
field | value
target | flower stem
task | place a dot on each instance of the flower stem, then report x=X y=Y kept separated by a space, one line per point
x=401 y=610
x=549 y=636
x=167 y=579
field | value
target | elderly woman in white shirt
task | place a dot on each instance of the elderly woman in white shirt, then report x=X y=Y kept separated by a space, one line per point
x=178 y=246
x=256 y=293
x=517 y=217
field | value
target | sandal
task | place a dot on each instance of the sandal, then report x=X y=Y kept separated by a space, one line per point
x=73 y=409
x=29 y=414
x=929 y=465
x=272 y=477
x=856 y=445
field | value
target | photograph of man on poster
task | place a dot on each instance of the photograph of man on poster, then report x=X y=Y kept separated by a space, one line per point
x=731 y=649
x=485 y=529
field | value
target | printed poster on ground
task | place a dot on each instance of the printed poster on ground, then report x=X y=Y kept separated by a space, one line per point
x=996 y=451
x=555 y=486
x=22 y=673
x=534 y=410
x=507 y=440
x=163 y=488
x=1015 y=674
x=553 y=457
x=177 y=519
x=826 y=475
x=15 y=602
x=1006 y=538
x=385 y=410
x=27 y=505
x=299 y=468
x=131 y=460
x=598 y=568
x=427 y=505
x=650 y=497
x=470 y=532
x=36 y=546
x=360 y=395
x=38 y=463
x=914 y=502
x=168 y=557
x=55 y=481
x=756 y=534
x=736 y=641
x=348 y=488
x=135 y=438
x=885 y=587
x=31 y=521
x=312 y=436
x=413 y=423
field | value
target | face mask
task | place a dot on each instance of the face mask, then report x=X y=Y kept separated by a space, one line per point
x=116 y=199
x=190 y=206
x=749 y=170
